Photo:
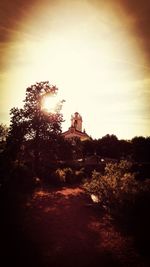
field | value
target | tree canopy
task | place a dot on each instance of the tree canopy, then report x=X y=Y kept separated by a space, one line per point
x=3 y=132
x=34 y=131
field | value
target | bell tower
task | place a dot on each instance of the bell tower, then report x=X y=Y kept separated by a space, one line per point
x=75 y=131
x=76 y=121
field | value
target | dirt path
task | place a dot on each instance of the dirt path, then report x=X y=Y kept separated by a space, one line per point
x=66 y=231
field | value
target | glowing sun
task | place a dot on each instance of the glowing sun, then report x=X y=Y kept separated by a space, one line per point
x=49 y=104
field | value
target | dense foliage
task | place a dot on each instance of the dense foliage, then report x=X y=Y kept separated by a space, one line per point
x=33 y=132
x=125 y=199
x=67 y=175
x=109 y=146
x=3 y=136
x=117 y=188
x=3 y=132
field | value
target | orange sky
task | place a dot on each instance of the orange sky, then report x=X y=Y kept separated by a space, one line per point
x=95 y=52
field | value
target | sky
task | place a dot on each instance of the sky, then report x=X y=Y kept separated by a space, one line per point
x=96 y=52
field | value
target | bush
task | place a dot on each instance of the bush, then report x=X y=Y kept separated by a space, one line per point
x=116 y=188
x=21 y=178
x=126 y=199
x=60 y=176
x=66 y=175
x=79 y=175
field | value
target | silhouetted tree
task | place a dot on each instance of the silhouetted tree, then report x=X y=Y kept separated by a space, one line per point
x=89 y=147
x=76 y=148
x=3 y=132
x=141 y=148
x=125 y=149
x=3 y=136
x=108 y=146
x=33 y=131
x=64 y=149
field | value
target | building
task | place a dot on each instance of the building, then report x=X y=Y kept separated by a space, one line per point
x=75 y=131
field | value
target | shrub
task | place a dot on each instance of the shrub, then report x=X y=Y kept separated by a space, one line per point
x=18 y=178
x=67 y=175
x=60 y=176
x=79 y=175
x=115 y=188
x=126 y=199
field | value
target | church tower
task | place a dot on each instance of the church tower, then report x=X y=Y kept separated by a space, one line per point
x=75 y=131
x=76 y=121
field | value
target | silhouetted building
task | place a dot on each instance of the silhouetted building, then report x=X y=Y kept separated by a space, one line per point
x=76 y=128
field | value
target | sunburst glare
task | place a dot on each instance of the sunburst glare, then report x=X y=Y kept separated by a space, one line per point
x=49 y=103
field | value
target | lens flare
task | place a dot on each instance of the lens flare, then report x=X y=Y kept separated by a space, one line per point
x=49 y=104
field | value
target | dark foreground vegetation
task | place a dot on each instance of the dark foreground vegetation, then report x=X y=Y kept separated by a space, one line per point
x=43 y=223
x=57 y=224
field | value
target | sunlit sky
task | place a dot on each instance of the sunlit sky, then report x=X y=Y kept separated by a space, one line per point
x=95 y=52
